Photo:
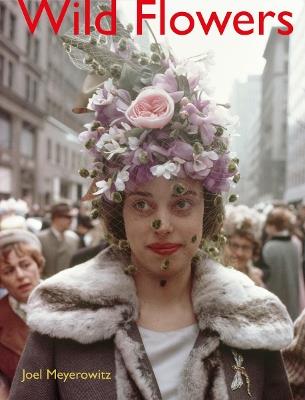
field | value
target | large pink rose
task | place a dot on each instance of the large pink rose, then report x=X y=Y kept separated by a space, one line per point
x=152 y=109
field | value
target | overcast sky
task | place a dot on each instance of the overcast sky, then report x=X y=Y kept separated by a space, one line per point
x=236 y=56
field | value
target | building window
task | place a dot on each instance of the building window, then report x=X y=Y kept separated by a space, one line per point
x=12 y=29
x=35 y=91
x=58 y=153
x=2 y=17
x=27 y=141
x=27 y=87
x=1 y=69
x=28 y=43
x=49 y=150
x=6 y=131
x=36 y=49
x=10 y=74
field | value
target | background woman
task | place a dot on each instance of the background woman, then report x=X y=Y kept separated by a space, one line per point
x=20 y=265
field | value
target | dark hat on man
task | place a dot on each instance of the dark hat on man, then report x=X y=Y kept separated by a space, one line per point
x=85 y=221
x=62 y=210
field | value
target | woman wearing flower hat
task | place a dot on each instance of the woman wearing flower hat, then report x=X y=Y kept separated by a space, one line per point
x=153 y=316
x=243 y=229
x=20 y=265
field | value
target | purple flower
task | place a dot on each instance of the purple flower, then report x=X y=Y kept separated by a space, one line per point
x=200 y=116
x=218 y=180
x=201 y=165
x=168 y=83
x=109 y=103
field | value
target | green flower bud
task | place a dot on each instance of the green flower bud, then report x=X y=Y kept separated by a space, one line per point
x=93 y=174
x=90 y=144
x=197 y=148
x=95 y=213
x=165 y=265
x=156 y=224
x=218 y=201
x=143 y=157
x=95 y=125
x=232 y=167
x=144 y=60
x=236 y=178
x=95 y=203
x=129 y=27
x=117 y=197
x=93 y=40
x=88 y=60
x=115 y=71
x=194 y=239
x=84 y=173
x=123 y=245
x=135 y=55
x=130 y=269
x=154 y=47
x=233 y=198
x=122 y=44
x=101 y=70
x=236 y=160
x=219 y=131
x=155 y=58
x=179 y=189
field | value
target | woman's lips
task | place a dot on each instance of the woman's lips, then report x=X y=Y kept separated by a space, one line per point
x=25 y=287
x=164 y=249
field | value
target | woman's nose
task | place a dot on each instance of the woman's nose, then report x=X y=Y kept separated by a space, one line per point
x=163 y=225
x=20 y=273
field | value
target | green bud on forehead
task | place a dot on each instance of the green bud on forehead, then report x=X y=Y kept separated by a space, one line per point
x=117 y=197
x=84 y=173
x=194 y=239
x=179 y=189
x=156 y=224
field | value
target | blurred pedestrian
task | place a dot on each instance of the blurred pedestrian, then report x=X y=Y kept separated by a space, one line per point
x=281 y=255
x=294 y=357
x=21 y=262
x=243 y=227
x=58 y=242
x=84 y=226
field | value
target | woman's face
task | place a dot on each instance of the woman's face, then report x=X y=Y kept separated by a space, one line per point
x=19 y=275
x=180 y=219
x=238 y=252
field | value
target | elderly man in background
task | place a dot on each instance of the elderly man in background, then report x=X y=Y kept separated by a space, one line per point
x=20 y=265
x=59 y=243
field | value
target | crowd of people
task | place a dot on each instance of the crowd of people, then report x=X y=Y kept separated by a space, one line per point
x=266 y=246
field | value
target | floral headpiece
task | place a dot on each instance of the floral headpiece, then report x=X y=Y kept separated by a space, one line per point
x=153 y=117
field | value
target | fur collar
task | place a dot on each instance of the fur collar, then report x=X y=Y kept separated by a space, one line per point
x=91 y=301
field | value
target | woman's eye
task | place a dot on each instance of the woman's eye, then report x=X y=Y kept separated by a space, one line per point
x=183 y=205
x=141 y=205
